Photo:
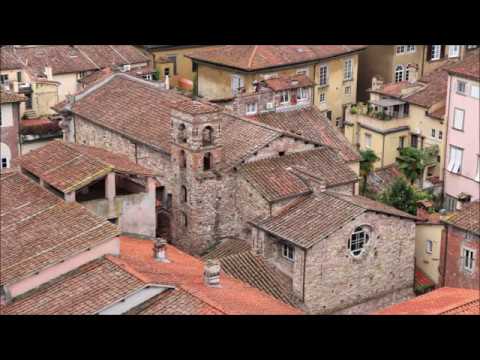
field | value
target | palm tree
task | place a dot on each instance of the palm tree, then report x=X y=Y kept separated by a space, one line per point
x=411 y=163
x=367 y=160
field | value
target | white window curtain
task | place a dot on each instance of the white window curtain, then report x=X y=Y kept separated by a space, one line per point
x=475 y=91
x=453 y=51
x=455 y=160
x=458 y=116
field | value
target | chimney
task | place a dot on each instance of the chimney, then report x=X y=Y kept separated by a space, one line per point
x=211 y=274
x=412 y=73
x=15 y=87
x=160 y=250
x=377 y=83
x=49 y=72
x=167 y=82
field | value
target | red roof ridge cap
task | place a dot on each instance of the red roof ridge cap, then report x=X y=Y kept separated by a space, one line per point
x=252 y=55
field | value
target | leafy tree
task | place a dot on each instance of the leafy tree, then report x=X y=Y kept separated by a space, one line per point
x=367 y=160
x=403 y=196
x=411 y=163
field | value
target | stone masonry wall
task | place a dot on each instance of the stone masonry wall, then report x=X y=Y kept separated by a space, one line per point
x=335 y=280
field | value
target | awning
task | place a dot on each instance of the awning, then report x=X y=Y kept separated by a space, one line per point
x=387 y=102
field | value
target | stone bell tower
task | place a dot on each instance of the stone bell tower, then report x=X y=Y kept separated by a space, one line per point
x=196 y=156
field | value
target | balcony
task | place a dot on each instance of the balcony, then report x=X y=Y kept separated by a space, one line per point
x=383 y=109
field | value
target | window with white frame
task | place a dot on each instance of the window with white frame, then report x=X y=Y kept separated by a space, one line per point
x=3 y=78
x=428 y=246
x=477 y=177
x=470 y=47
x=368 y=140
x=455 y=159
x=284 y=97
x=458 y=117
x=400 y=49
x=302 y=93
x=348 y=70
x=411 y=49
x=288 y=252
x=251 y=108
x=433 y=133
x=358 y=240
x=461 y=87
x=348 y=90
x=399 y=73
x=436 y=52
x=468 y=259
x=323 y=97
x=323 y=75
x=475 y=91
x=237 y=83
x=453 y=51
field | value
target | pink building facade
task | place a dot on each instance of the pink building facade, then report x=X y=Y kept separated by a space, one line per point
x=462 y=166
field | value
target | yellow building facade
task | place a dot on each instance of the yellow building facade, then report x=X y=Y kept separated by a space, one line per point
x=428 y=237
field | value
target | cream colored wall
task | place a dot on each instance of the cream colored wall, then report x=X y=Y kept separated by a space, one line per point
x=335 y=91
x=428 y=263
x=68 y=85
x=46 y=96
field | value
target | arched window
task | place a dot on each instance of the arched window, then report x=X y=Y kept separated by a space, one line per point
x=182 y=134
x=358 y=240
x=5 y=156
x=207 y=136
x=184 y=194
x=207 y=161
x=183 y=159
x=399 y=73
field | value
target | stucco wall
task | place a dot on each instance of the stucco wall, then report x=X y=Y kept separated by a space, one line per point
x=428 y=263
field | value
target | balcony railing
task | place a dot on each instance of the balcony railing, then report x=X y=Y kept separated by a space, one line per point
x=367 y=110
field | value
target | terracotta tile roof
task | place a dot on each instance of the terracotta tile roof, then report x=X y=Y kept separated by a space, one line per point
x=64 y=59
x=185 y=272
x=8 y=61
x=381 y=179
x=95 y=76
x=467 y=219
x=175 y=302
x=469 y=67
x=312 y=125
x=317 y=216
x=39 y=229
x=422 y=280
x=289 y=82
x=439 y=113
x=237 y=260
x=132 y=107
x=8 y=97
x=83 y=291
x=273 y=179
x=258 y=57
x=443 y=301
x=68 y=167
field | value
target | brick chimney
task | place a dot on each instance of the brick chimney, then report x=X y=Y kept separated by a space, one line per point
x=49 y=72
x=160 y=250
x=377 y=83
x=211 y=274
x=412 y=73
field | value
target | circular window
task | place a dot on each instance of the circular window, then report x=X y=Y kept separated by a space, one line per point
x=358 y=240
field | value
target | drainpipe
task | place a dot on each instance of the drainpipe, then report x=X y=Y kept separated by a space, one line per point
x=444 y=270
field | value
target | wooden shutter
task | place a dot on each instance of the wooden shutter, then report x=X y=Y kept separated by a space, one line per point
x=429 y=52
x=442 y=51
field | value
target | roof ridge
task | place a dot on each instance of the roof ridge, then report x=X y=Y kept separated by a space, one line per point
x=252 y=55
x=126 y=267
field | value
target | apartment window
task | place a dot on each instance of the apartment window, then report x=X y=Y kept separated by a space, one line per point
x=3 y=78
x=358 y=240
x=237 y=83
x=468 y=260
x=323 y=75
x=436 y=52
x=400 y=49
x=368 y=140
x=461 y=87
x=440 y=134
x=455 y=159
x=399 y=73
x=470 y=47
x=288 y=252
x=401 y=142
x=251 y=108
x=414 y=141
x=458 y=116
x=411 y=49
x=348 y=90
x=348 y=70
x=4 y=163
x=453 y=51
x=477 y=177
x=433 y=133
x=302 y=93
x=474 y=91
x=19 y=76
x=323 y=97
x=428 y=246
x=173 y=59
x=194 y=67
x=284 y=97
x=450 y=203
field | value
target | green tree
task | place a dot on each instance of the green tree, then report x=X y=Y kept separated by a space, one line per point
x=403 y=196
x=367 y=160
x=411 y=163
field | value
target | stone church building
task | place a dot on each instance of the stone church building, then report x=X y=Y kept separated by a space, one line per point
x=290 y=196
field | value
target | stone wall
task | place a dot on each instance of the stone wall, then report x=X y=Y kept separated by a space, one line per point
x=335 y=280
x=284 y=144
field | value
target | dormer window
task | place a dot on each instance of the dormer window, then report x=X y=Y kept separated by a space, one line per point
x=207 y=136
